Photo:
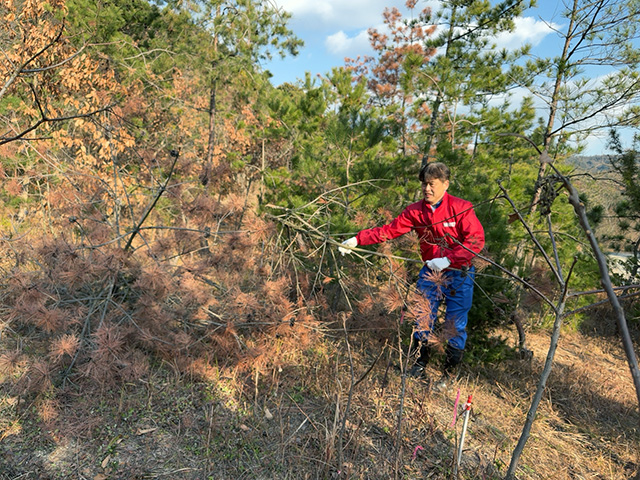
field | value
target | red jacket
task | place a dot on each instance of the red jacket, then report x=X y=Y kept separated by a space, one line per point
x=442 y=232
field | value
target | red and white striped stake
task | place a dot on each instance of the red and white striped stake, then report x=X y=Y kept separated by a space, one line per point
x=467 y=410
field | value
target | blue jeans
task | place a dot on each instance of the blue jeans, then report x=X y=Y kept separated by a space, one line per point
x=457 y=293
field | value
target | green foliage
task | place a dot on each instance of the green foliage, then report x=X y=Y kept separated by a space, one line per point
x=337 y=145
x=122 y=27
x=468 y=70
x=345 y=146
x=626 y=163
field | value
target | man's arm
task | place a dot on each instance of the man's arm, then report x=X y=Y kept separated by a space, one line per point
x=400 y=225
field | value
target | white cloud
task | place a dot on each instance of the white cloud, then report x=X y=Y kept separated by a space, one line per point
x=341 y=44
x=527 y=30
x=356 y=15
x=337 y=14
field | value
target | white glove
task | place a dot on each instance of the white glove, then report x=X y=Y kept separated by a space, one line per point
x=438 y=264
x=348 y=245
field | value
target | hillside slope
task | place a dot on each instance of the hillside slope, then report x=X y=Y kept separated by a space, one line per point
x=287 y=422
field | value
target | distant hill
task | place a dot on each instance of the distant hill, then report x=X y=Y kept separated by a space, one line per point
x=602 y=187
x=591 y=163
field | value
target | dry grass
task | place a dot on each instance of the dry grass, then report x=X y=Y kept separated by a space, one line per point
x=586 y=426
x=283 y=421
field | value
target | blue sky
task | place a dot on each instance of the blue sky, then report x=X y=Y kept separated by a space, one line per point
x=335 y=29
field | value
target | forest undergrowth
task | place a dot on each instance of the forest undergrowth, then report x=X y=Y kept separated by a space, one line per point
x=220 y=354
x=287 y=419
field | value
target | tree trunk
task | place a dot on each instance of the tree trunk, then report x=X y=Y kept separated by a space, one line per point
x=553 y=105
x=205 y=176
x=531 y=415
x=438 y=101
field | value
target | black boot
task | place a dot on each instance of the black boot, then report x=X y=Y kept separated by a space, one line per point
x=453 y=357
x=424 y=352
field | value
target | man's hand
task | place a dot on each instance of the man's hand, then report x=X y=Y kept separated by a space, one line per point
x=438 y=264
x=348 y=245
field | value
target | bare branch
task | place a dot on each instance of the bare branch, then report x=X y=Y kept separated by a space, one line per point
x=57 y=65
x=535 y=402
x=523 y=137
x=44 y=119
x=161 y=190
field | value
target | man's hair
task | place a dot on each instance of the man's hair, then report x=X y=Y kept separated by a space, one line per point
x=435 y=170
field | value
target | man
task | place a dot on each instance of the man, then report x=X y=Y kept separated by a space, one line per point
x=450 y=235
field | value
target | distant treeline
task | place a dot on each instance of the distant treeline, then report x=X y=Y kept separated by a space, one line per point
x=591 y=163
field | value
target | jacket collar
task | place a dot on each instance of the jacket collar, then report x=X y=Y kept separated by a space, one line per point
x=439 y=204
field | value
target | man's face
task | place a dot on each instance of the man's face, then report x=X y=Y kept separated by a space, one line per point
x=433 y=190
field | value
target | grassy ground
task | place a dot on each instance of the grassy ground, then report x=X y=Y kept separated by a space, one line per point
x=303 y=420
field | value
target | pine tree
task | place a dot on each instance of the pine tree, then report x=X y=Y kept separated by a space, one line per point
x=468 y=68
